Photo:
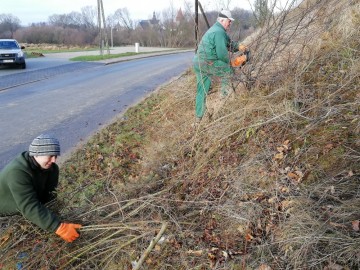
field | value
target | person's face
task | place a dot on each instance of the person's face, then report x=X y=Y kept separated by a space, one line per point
x=45 y=162
x=227 y=24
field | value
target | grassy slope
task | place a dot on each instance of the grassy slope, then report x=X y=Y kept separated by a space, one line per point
x=269 y=180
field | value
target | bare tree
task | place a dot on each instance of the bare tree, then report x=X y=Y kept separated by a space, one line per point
x=244 y=24
x=169 y=27
x=220 y=4
x=122 y=18
x=89 y=18
x=122 y=27
x=8 y=25
x=262 y=11
x=71 y=20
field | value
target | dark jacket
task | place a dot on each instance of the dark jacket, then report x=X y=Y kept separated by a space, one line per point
x=24 y=189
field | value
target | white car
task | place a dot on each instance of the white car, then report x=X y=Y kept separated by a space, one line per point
x=11 y=53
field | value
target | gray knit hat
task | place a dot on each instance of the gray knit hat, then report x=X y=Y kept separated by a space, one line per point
x=44 y=145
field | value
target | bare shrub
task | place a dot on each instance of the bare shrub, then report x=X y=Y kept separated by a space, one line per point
x=268 y=180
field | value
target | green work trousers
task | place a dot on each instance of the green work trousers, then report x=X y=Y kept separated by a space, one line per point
x=204 y=71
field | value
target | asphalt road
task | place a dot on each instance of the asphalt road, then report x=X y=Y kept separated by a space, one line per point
x=72 y=100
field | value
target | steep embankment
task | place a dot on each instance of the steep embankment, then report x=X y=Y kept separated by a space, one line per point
x=269 y=180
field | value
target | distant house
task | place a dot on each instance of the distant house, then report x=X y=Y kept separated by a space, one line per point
x=179 y=17
x=146 y=24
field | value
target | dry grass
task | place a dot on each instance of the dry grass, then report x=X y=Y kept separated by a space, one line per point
x=268 y=180
x=55 y=48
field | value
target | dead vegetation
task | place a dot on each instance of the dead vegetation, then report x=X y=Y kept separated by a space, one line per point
x=269 y=180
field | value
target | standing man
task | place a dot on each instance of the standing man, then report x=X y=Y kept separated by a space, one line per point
x=29 y=181
x=212 y=59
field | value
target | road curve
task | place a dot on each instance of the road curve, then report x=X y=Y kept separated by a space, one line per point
x=72 y=101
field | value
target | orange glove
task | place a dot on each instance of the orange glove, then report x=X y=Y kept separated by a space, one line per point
x=243 y=48
x=68 y=232
x=239 y=61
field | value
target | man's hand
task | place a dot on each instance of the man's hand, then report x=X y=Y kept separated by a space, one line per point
x=68 y=232
x=243 y=48
x=239 y=61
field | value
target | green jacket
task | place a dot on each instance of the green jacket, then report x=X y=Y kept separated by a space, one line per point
x=215 y=45
x=24 y=189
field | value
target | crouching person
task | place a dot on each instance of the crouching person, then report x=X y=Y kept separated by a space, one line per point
x=29 y=181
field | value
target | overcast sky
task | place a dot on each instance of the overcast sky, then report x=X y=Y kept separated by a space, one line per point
x=31 y=11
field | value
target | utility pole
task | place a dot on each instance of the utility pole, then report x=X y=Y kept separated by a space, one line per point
x=197 y=6
x=102 y=28
x=196 y=23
